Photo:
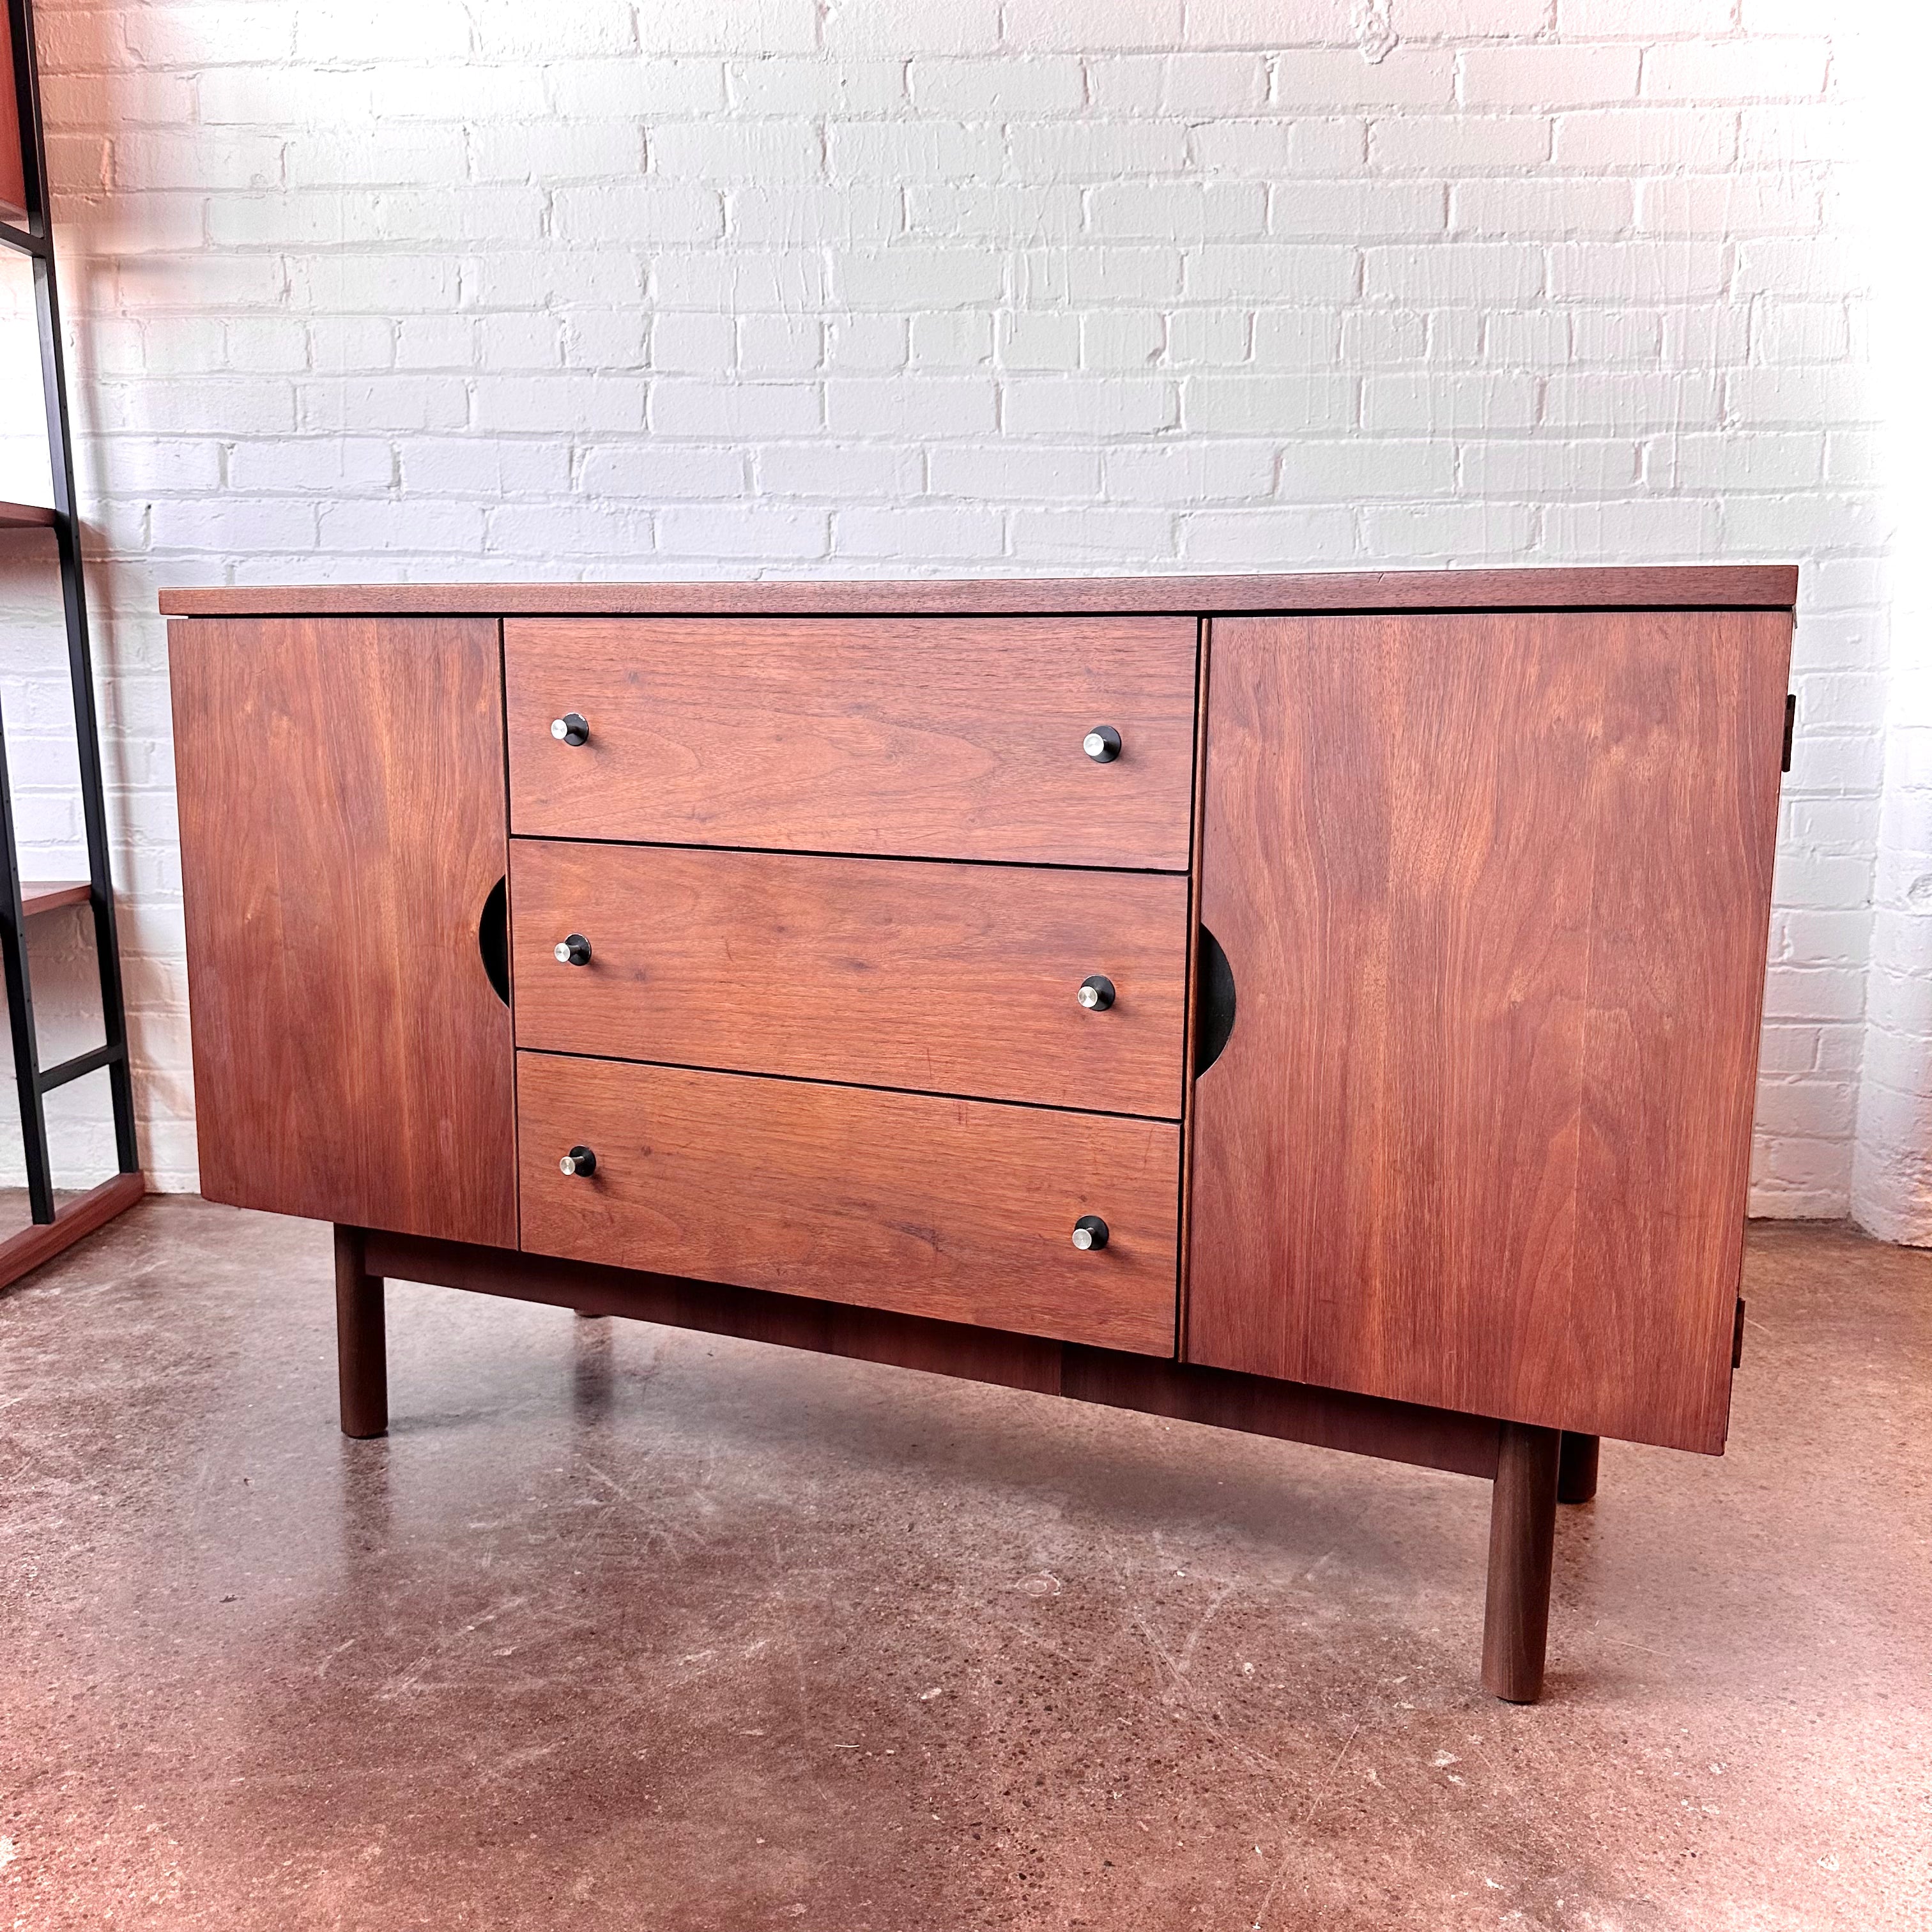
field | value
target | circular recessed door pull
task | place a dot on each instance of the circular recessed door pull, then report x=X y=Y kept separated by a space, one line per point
x=1095 y=993
x=1101 y=744
x=579 y=1160
x=571 y=729
x=574 y=951
x=1090 y=1231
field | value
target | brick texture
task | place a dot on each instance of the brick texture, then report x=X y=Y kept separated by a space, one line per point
x=759 y=286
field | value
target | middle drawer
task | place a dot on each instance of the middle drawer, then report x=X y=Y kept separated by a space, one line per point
x=944 y=978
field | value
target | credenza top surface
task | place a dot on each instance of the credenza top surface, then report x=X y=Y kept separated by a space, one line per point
x=1673 y=586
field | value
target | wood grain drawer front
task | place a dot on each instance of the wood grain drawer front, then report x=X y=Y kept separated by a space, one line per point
x=950 y=979
x=929 y=737
x=963 y=1210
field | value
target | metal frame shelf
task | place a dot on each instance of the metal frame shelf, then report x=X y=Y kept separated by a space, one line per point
x=55 y=1229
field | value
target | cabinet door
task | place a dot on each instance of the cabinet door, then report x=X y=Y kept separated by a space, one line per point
x=1495 y=890
x=342 y=824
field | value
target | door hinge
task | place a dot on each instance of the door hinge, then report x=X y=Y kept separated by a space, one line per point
x=1737 y=1336
x=1790 y=725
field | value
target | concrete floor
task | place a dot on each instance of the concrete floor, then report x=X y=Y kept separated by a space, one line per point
x=622 y=1626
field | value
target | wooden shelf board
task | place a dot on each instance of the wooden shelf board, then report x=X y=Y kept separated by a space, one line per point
x=49 y=895
x=26 y=517
x=22 y=1252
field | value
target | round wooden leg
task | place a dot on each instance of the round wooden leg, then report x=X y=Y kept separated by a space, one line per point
x=1577 y=1467
x=1523 y=1541
x=361 y=1354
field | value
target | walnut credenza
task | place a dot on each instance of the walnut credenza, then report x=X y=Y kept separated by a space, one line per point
x=1322 y=1006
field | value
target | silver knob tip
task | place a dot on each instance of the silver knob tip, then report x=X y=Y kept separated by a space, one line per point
x=1083 y=1237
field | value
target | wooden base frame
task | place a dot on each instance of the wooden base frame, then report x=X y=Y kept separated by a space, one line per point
x=21 y=1253
x=1522 y=1462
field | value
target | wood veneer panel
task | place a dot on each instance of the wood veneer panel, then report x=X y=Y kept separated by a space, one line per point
x=954 y=738
x=952 y=978
x=1684 y=797
x=960 y=1210
x=1495 y=891
x=1680 y=587
x=342 y=817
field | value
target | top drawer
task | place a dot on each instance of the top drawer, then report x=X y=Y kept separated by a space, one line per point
x=923 y=737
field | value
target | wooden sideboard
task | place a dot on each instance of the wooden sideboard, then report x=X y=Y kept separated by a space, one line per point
x=1322 y=1005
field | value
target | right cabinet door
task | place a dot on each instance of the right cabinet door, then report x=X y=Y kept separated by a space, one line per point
x=1495 y=890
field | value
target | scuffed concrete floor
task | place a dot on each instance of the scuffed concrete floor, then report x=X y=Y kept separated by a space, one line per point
x=625 y=1627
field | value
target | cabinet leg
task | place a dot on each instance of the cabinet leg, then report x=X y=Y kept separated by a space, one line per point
x=1577 y=1467
x=361 y=1355
x=1523 y=1540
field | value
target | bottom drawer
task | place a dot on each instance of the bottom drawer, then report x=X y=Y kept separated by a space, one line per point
x=963 y=1210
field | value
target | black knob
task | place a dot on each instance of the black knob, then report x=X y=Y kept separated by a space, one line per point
x=1095 y=993
x=581 y=1160
x=574 y=951
x=1101 y=744
x=1090 y=1231
x=570 y=729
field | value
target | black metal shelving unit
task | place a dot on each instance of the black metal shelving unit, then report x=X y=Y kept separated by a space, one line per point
x=26 y=229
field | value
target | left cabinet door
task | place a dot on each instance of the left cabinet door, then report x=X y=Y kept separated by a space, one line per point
x=342 y=828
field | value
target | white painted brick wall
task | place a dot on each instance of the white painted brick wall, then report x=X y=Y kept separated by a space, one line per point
x=471 y=289
x=1891 y=1179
